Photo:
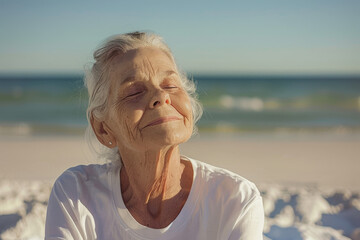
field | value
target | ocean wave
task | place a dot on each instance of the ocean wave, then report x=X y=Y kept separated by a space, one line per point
x=242 y=103
x=20 y=129
x=257 y=104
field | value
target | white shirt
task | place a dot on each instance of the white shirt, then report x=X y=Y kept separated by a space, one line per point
x=86 y=203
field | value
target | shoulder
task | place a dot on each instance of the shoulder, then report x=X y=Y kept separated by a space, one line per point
x=225 y=187
x=82 y=173
x=82 y=178
x=73 y=207
x=231 y=204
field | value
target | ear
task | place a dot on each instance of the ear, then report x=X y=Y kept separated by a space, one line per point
x=103 y=132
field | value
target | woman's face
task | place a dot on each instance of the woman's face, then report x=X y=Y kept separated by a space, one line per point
x=148 y=108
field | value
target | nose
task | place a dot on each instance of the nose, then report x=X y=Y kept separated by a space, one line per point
x=159 y=98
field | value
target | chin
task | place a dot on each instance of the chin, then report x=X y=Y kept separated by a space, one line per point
x=164 y=137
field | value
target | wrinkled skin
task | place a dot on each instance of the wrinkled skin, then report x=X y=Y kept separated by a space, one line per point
x=149 y=115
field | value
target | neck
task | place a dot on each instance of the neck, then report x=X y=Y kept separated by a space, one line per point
x=149 y=178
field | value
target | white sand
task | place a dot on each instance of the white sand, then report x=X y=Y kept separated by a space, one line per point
x=310 y=186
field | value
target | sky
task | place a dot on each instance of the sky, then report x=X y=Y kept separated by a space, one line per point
x=206 y=37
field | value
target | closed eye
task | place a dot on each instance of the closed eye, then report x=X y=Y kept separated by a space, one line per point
x=170 y=86
x=170 y=83
x=134 y=94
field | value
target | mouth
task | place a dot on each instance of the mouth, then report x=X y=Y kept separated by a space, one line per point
x=162 y=120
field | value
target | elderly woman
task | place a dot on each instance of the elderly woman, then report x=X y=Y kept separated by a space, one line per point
x=140 y=109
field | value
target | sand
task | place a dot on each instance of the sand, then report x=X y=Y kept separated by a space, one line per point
x=310 y=185
x=333 y=162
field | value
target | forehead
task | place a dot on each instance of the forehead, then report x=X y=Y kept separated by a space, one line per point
x=147 y=61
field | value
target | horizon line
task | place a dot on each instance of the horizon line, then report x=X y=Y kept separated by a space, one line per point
x=192 y=74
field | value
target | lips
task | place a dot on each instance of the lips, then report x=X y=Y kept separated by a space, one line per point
x=163 y=120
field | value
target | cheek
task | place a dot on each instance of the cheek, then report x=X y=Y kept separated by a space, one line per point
x=125 y=119
x=135 y=112
x=183 y=105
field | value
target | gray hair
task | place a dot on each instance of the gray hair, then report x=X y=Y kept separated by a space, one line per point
x=98 y=84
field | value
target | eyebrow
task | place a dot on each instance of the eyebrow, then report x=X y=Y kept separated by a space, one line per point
x=133 y=78
x=128 y=79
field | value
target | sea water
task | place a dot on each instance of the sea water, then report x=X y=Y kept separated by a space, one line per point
x=56 y=104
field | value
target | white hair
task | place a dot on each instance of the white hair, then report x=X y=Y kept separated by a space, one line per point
x=98 y=84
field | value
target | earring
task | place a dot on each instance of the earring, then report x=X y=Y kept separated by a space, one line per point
x=110 y=143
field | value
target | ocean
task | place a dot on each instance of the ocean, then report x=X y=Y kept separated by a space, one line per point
x=56 y=104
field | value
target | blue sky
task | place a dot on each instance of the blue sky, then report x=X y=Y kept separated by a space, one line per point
x=213 y=37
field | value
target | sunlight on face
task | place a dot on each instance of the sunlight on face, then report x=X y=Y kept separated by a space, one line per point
x=148 y=108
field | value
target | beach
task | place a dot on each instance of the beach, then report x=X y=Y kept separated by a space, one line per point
x=296 y=137
x=278 y=82
x=309 y=183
